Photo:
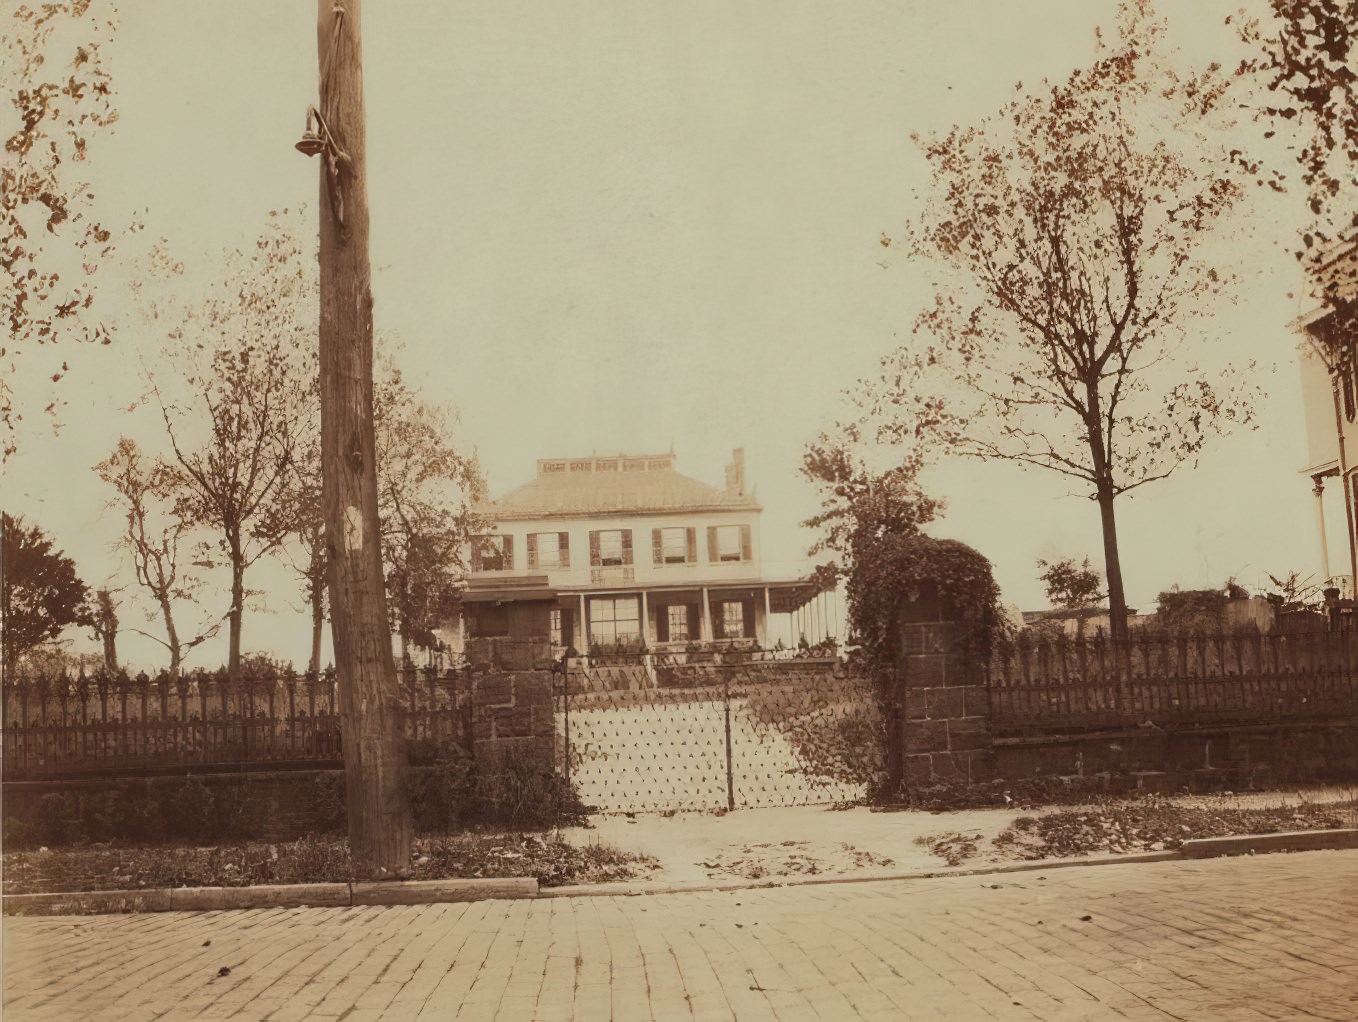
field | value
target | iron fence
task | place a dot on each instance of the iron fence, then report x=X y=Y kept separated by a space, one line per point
x=102 y=723
x=1070 y=684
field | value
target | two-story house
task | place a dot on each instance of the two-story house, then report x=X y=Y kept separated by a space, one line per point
x=1328 y=359
x=603 y=553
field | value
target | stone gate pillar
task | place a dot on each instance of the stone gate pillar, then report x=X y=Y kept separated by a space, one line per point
x=945 y=706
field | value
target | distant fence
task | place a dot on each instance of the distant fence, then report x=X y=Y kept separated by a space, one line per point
x=90 y=724
x=1071 y=684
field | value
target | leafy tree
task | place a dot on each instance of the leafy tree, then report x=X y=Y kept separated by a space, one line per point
x=104 y=620
x=152 y=535
x=247 y=363
x=1069 y=585
x=61 y=95
x=860 y=507
x=426 y=497
x=1071 y=222
x=1309 y=65
x=40 y=592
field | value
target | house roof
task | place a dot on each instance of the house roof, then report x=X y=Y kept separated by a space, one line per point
x=624 y=484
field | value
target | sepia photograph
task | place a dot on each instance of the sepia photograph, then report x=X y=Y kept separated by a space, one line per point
x=598 y=510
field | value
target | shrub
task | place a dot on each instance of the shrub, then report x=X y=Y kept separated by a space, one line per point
x=914 y=569
x=189 y=810
x=58 y=819
x=19 y=833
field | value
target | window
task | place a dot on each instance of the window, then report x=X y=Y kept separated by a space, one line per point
x=728 y=543
x=677 y=617
x=556 y=627
x=614 y=621
x=609 y=547
x=674 y=546
x=492 y=553
x=732 y=620
x=549 y=550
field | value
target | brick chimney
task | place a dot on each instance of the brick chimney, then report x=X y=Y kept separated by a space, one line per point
x=735 y=473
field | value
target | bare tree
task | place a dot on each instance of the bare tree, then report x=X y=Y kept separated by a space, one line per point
x=1072 y=222
x=152 y=536
x=244 y=363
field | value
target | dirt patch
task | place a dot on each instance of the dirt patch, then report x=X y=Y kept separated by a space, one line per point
x=760 y=860
x=315 y=860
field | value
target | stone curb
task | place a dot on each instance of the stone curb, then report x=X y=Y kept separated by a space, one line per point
x=206 y=899
x=1288 y=841
x=432 y=892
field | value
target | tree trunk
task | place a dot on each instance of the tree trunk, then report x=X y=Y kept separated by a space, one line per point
x=1099 y=448
x=1112 y=564
x=375 y=769
x=237 y=609
x=172 y=634
x=317 y=628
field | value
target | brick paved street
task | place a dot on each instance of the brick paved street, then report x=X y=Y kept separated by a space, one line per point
x=1271 y=937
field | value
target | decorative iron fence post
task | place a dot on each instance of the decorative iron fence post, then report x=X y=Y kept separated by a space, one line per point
x=730 y=770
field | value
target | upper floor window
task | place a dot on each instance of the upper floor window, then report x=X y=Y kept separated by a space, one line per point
x=674 y=546
x=549 y=550
x=728 y=543
x=608 y=547
x=492 y=553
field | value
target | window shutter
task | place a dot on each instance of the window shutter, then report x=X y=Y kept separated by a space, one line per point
x=595 y=558
x=749 y=617
x=657 y=547
x=532 y=550
x=712 y=544
x=695 y=629
x=662 y=623
x=477 y=543
x=692 y=539
x=626 y=546
x=563 y=540
x=746 y=547
x=509 y=553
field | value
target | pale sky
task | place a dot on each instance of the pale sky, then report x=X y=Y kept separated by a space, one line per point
x=609 y=226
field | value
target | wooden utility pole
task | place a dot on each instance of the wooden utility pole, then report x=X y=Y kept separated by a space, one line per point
x=374 y=758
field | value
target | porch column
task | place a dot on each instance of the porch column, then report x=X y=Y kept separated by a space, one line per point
x=645 y=624
x=583 y=628
x=763 y=633
x=705 y=631
x=1319 y=481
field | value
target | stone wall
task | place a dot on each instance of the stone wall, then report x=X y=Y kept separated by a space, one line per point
x=1232 y=757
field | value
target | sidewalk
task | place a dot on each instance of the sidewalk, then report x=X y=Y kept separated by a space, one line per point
x=797 y=842
x=1235 y=940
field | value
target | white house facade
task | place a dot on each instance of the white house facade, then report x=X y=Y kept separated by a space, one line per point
x=623 y=552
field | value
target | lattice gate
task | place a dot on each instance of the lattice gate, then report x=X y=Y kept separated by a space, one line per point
x=655 y=734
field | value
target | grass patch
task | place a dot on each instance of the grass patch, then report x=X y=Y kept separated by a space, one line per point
x=313 y=860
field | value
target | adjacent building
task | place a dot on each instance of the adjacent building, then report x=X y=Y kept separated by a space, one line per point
x=623 y=552
x=1328 y=359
